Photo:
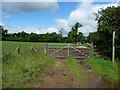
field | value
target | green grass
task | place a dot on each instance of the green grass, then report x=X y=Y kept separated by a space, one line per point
x=104 y=67
x=61 y=45
x=20 y=70
x=57 y=45
x=10 y=47
x=72 y=64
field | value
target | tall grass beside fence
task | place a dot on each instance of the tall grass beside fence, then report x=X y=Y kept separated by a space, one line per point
x=24 y=69
x=25 y=47
x=104 y=67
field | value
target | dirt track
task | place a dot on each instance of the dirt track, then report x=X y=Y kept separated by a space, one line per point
x=61 y=77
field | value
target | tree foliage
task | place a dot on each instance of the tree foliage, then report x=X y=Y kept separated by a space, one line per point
x=108 y=21
x=48 y=37
x=32 y=37
x=72 y=35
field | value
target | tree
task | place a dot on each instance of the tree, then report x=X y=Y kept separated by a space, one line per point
x=92 y=37
x=81 y=37
x=33 y=37
x=1 y=31
x=108 y=20
x=60 y=37
x=72 y=35
x=48 y=37
x=4 y=32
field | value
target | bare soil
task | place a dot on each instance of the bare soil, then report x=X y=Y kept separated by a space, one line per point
x=59 y=76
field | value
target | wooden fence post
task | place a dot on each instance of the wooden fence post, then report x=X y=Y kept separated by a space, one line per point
x=45 y=48
x=113 y=49
x=92 y=49
x=33 y=49
x=17 y=50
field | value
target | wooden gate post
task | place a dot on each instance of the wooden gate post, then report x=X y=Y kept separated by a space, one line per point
x=31 y=50
x=92 y=49
x=68 y=50
x=113 y=47
x=45 y=48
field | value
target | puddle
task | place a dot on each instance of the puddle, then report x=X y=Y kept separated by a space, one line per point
x=104 y=83
x=98 y=81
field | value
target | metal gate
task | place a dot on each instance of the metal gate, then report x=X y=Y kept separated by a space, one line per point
x=68 y=50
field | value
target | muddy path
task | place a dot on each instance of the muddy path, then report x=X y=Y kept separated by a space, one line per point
x=60 y=76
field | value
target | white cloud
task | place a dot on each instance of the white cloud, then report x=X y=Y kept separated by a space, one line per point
x=1 y=23
x=15 y=29
x=50 y=30
x=62 y=22
x=98 y=7
x=84 y=15
x=28 y=29
x=22 y=7
x=62 y=25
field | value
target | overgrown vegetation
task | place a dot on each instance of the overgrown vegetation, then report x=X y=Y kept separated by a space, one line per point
x=23 y=70
x=72 y=64
x=108 y=21
x=104 y=67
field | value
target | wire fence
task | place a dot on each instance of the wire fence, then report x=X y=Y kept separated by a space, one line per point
x=60 y=50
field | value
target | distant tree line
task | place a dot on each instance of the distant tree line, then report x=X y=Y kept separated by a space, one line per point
x=48 y=37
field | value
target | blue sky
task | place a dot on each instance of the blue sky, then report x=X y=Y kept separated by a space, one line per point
x=42 y=19
x=50 y=17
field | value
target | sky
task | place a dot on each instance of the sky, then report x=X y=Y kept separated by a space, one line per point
x=43 y=17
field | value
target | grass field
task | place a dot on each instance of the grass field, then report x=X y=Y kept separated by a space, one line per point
x=26 y=69
x=23 y=70
x=104 y=67
x=9 y=47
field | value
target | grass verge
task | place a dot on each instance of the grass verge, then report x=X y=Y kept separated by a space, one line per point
x=72 y=64
x=20 y=71
x=104 y=67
